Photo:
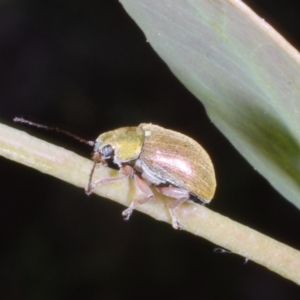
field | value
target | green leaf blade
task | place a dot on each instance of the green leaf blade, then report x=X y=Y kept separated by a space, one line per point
x=246 y=75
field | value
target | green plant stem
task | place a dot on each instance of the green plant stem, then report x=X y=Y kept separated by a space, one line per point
x=199 y=220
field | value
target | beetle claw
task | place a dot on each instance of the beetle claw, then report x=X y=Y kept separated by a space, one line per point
x=128 y=211
x=126 y=215
x=89 y=190
x=176 y=224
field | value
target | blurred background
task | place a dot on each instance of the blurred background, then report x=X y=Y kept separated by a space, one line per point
x=84 y=66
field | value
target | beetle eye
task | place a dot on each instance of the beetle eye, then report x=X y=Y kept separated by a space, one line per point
x=107 y=152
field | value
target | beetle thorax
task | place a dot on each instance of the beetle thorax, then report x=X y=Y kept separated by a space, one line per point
x=126 y=143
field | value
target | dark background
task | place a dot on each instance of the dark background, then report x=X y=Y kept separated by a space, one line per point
x=86 y=67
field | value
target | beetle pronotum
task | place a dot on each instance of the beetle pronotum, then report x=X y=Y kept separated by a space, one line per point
x=174 y=163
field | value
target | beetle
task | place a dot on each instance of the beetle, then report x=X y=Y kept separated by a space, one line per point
x=174 y=163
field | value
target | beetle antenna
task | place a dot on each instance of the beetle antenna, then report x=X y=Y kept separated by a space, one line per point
x=24 y=121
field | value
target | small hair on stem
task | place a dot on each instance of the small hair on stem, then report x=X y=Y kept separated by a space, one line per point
x=74 y=136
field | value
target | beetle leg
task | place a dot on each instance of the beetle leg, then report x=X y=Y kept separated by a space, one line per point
x=180 y=195
x=125 y=172
x=145 y=189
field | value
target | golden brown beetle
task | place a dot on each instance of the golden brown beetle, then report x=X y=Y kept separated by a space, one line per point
x=175 y=164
